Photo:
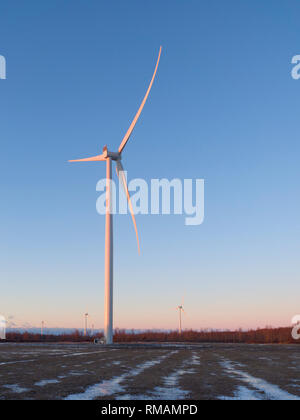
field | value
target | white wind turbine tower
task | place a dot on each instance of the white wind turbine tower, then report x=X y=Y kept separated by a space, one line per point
x=85 y=323
x=108 y=156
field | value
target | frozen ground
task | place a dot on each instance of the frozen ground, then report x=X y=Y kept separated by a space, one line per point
x=199 y=372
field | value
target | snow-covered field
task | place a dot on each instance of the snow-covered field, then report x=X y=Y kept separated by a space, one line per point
x=171 y=372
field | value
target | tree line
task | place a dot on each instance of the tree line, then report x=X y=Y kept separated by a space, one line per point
x=258 y=336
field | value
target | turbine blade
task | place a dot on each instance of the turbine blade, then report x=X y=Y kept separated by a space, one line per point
x=91 y=159
x=121 y=176
x=130 y=129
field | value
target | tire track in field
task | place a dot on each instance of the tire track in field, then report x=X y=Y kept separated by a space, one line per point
x=171 y=389
x=267 y=391
x=114 y=385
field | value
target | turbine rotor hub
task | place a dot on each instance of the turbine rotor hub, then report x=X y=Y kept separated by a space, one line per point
x=112 y=155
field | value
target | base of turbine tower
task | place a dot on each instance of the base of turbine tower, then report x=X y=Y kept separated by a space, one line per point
x=108 y=341
x=102 y=341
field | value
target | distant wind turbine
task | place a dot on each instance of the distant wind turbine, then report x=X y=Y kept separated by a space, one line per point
x=85 y=323
x=109 y=156
x=180 y=309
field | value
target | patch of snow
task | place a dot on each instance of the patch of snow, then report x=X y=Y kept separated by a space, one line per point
x=171 y=389
x=243 y=394
x=15 y=388
x=16 y=361
x=195 y=359
x=128 y=397
x=46 y=382
x=75 y=373
x=82 y=354
x=272 y=392
x=113 y=386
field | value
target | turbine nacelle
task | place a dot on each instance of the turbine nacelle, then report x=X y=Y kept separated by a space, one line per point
x=113 y=155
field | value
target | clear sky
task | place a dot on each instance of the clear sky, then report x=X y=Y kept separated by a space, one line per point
x=224 y=107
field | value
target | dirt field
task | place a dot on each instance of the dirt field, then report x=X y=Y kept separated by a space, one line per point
x=199 y=372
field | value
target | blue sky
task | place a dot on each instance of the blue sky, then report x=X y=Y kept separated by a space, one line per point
x=223 y=107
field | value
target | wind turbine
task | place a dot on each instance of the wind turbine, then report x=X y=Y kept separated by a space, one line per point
x=108 y=156
x=180 y=308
